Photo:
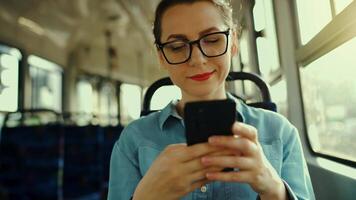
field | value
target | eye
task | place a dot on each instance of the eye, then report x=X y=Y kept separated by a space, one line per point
x=176 y=46
x=212 y=39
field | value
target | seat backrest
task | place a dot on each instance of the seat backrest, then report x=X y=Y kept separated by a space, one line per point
x=266 y=102
x=30 y=161
x=82 y=172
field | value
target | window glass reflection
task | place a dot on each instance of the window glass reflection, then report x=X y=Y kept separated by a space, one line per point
x=9 y=79
x=267 y=46
x=279 y=96
x=340 y=5
x=329 y=96
x=164 y=95
x=85 y=102
x=46 y=79
x=130 y=103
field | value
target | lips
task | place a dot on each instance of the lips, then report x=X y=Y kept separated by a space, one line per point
x=202 y=77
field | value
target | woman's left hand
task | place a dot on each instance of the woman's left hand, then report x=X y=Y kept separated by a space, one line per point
x=249 y=159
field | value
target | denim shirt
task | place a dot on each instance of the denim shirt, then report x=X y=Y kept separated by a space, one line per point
x=142 y=141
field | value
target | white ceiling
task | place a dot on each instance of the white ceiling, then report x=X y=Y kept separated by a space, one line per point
x=74 y=31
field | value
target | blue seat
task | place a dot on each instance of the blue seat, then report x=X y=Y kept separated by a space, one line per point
x=82 y=173
x=30 y=162
x=110 y=135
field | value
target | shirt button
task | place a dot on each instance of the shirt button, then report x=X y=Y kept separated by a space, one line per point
x=203 y=189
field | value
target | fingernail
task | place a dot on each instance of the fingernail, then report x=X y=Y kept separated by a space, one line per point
x=236 y=135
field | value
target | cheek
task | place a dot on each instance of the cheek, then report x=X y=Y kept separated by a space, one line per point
x=224 y=63
x=177 y=76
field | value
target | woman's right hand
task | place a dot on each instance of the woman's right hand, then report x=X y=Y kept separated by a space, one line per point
x=177 y=171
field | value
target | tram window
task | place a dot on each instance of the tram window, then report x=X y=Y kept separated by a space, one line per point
x=130 y=103
x=279 y=96
x=267 y=47
x=9 y=78
x=85 y=103
x=108 y=104
x=329 y=96
x=2 y=118
x=310 y=21
x=164 y=95
x=259 y=15
x=244 y=52
x=46 y=79
x=10 y=51
x=340 y=5
x=248 y=90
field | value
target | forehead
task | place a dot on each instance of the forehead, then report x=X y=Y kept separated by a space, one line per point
x=190 y=19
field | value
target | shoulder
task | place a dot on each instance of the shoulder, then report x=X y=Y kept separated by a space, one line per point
x=271 y=125
x=145 y=122
x=138 y=131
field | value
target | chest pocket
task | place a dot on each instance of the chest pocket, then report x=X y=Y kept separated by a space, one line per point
x=274 y=154
x=146 y=156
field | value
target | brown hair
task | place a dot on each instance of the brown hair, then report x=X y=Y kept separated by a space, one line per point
x=223 y=6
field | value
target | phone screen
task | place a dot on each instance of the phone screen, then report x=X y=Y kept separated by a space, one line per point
x=207 y=118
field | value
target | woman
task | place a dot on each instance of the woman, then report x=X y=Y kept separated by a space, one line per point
x=195 y=41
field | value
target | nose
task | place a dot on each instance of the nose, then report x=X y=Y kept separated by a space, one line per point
x=197 y=58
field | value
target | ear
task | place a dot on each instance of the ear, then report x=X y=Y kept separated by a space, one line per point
x=234 y=46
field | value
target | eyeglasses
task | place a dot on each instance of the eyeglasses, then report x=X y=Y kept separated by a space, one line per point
x=211 y=45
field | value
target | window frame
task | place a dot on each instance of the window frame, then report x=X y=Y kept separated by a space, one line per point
x=322 y=43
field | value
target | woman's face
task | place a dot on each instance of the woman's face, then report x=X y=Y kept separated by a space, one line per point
x=201 y=77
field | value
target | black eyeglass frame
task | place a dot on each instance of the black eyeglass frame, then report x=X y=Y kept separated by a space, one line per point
x=161 y=46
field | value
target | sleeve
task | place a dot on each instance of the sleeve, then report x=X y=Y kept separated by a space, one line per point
x=124 y=171
x=294 y=172
x=290 y=194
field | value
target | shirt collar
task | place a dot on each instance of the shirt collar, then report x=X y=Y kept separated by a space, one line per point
x=170 y=111
x=167 y=112
x=239 y=107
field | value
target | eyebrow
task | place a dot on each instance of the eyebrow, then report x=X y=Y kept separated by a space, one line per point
x=201 y=33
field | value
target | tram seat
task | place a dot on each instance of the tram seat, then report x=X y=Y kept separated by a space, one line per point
x=54 y=161
x=82 y=172
x=111 y=135
x=29 y=162
x=87 y=153
x=266 y=102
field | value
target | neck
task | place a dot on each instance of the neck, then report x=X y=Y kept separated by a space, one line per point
x=221 y=94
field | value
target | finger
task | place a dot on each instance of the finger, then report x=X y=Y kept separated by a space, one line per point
x=198 y=150
x=175 y=151
x=242 y=163
x=224 y=152
x=245 y=130
x=193 y=166
x=240 y=176
x=239 y=145
x=201 y=174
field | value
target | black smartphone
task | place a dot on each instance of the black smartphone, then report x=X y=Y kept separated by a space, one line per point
x=203 y=119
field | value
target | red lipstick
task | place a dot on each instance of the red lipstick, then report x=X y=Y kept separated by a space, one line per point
x=202 y=77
